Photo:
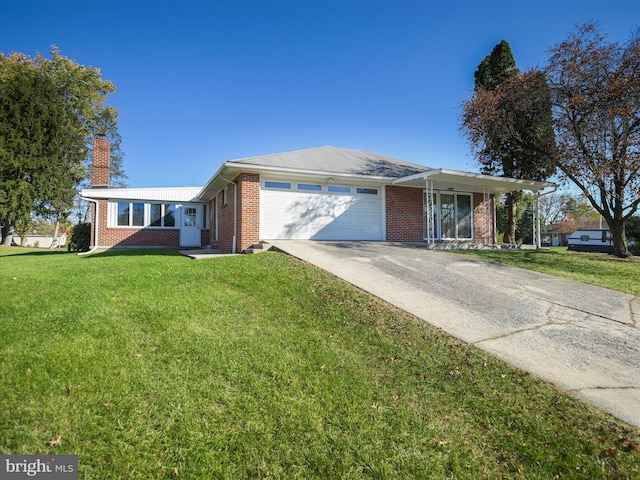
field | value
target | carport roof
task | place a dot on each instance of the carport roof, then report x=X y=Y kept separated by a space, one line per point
x=455 y=180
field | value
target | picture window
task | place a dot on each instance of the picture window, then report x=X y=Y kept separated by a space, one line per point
x=138 y=214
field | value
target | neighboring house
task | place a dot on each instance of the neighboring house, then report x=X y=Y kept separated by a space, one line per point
x=324 y=193
x=557 y=234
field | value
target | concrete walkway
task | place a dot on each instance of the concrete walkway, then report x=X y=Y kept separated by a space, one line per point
x=204 y=253
x=582 y=338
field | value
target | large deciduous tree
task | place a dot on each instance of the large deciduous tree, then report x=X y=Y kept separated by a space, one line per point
x=509 y=124
x=595 y=87
x=50 y=109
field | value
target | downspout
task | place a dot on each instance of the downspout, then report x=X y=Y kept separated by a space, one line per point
x=95 y=228
x=216 y=219
x=234 y=249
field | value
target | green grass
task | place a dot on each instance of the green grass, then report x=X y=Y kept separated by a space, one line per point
x=150 y=365
x=596 y=268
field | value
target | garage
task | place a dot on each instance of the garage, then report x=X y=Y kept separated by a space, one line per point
x=305 y=210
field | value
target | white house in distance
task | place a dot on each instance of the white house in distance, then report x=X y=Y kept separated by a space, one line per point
x=42 y=241
x=324 y=193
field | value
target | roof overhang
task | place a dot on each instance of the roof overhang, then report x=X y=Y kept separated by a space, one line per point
x=454 y=180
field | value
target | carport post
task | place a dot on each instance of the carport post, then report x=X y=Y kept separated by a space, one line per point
x=536 y=220
x=486 y=198
x=429 y=213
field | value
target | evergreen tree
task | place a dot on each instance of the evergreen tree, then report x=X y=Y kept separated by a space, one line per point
x=509 y=124
x=50 y=110
x=496 y=68
x=31 y=135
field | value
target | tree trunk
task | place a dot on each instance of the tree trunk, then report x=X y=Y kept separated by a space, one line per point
x=54 y=237
x=620 y=248
x=510 y=233
x=7 y=233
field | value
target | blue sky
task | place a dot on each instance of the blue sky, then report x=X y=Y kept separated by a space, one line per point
x=202 y=82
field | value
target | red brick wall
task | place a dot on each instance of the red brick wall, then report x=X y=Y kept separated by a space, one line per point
x=249 y=210
x=140 y=237
x=100 y=165
x=134 y=237
x=225 y=220
x=137 y=237
x=404 y=214
x=212 y=222
x=404 y=219
x=479 y=219
x=248 y=231
x=204 y=237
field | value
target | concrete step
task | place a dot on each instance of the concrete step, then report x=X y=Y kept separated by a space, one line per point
x=258 y=248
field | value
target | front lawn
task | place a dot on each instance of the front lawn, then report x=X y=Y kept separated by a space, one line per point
x=150 y=365
x=596 y=268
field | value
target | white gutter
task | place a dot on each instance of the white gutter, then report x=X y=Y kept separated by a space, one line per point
x=481 y=176
x=211 y=180
x=95 y=227
x=505 y=183
x=235 y=217
x=417 y=176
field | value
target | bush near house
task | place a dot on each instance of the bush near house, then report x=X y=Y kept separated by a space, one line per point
x=632 y=230
x=150 y=365
x=80 y=238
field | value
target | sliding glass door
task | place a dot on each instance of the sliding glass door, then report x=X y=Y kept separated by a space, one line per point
x=452 y=216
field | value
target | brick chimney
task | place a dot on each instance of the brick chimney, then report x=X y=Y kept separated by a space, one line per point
x=100 y=166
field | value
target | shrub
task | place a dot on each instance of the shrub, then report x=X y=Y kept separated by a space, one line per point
x=80 y=238
x=632 y=230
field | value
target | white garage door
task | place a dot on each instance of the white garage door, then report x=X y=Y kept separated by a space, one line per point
x=294 y=210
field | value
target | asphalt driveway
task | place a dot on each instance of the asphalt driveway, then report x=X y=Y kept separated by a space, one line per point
x=582 y=338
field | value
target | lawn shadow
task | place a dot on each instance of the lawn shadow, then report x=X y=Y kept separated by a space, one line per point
x=29 y=251
x=134 y=252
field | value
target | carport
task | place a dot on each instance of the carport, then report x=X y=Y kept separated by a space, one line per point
x=441 y=187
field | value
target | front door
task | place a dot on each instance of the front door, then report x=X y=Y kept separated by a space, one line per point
x=190 y=227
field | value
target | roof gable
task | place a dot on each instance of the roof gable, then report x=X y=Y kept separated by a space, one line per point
x=336 y=160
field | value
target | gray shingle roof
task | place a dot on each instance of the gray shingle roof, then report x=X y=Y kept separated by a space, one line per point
x=337 y=161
